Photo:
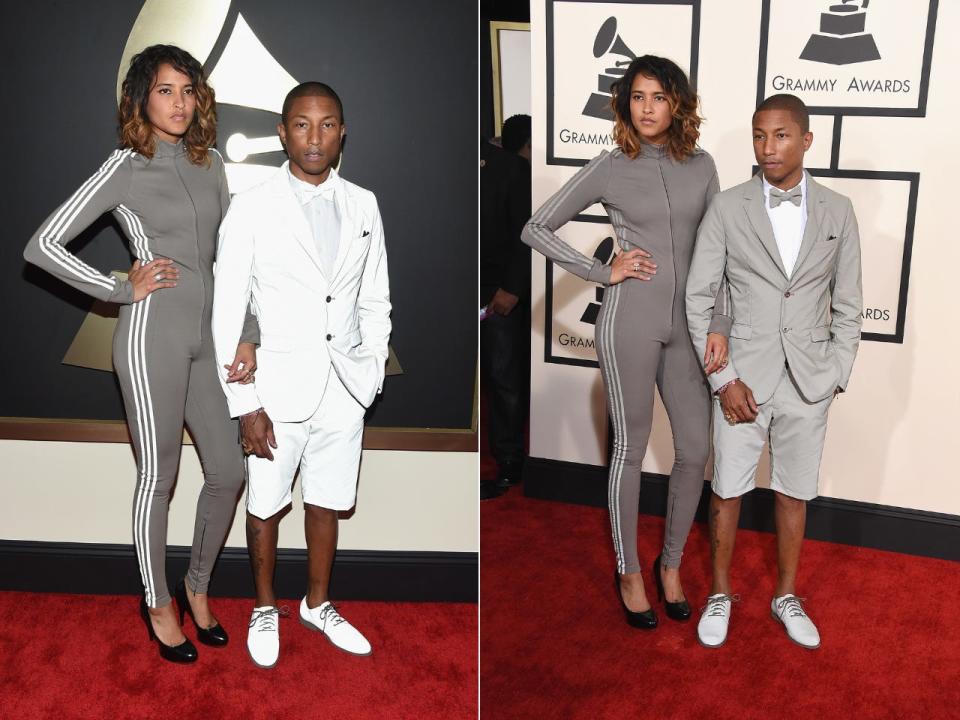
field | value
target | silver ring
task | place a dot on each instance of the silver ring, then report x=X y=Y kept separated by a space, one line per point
x=157 y=277
x=636 y=266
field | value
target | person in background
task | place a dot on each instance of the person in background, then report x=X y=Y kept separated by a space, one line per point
x=505 y=293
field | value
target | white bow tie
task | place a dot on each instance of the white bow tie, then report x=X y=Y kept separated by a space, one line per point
x=324 y=190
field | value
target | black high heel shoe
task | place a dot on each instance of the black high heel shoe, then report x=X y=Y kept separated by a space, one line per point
x=646 y=620
x=675 y=610
x=215 y=636
x=185 y=652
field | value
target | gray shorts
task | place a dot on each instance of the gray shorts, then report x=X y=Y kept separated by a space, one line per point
x=796 y=430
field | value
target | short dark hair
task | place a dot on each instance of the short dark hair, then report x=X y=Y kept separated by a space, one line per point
x=791 y=104
x=515 y=133
x=310 y=89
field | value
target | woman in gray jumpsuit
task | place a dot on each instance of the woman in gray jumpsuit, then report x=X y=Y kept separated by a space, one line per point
x=655 y=187
x=168 y=192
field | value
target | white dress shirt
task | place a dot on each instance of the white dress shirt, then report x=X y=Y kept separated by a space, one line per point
x=320 y=208
x=789 y=222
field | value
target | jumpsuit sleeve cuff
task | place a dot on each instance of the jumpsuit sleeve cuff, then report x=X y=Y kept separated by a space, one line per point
x=123 y=292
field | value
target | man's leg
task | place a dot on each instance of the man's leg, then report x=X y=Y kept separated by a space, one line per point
x=791 y=518
x=503 y=369
x=736 y=453
x=724 y=518
x=262 y=548
x=796 y=445
x=268 y=493
x=328 y=478
x=320 y=526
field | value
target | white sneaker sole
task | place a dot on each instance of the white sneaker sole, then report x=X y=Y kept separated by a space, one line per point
x=306 y=623
x=795 y=642
x=253 y=660
x=708 y=645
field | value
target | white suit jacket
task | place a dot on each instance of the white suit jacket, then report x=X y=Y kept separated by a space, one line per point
x=310 y=324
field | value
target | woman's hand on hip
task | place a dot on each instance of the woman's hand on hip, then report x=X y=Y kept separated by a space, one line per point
x=244 y=364
x=632 y=264
x=152 y=276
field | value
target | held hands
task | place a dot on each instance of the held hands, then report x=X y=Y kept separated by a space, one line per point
x=632 y=264
x=256 y=434
x=244 y=364
x=150 y=277
x=503 y=302
x=737 y=403
x=715 y=356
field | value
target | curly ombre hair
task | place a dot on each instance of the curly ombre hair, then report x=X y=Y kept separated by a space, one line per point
x=136 y=132
x=684 y=130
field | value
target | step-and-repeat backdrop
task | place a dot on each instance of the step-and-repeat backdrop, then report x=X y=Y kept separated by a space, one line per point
x=879 y=80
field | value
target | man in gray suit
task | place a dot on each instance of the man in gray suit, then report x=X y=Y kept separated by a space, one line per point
x=790 y=252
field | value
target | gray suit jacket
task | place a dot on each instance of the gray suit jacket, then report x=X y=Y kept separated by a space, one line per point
x=810 y=321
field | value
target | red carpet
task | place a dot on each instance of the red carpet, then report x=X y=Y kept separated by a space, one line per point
x=82 y=656
x=555 y=645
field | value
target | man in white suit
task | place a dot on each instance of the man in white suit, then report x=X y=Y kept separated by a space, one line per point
x=305 y=249
x=789 y=250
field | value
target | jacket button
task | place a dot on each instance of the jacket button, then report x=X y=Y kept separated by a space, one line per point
x=329 y=298
x=329 y=336
x=786 y=330
x=786 y=294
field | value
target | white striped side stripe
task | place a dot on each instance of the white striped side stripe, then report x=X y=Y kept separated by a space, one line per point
x=49 y=238
x=617 y=414
x=551 y=245
x=146 y=421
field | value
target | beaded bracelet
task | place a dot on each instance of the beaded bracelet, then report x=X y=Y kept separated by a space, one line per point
x=725 y=386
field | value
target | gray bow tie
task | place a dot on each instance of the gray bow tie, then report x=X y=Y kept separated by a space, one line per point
x=777 y=197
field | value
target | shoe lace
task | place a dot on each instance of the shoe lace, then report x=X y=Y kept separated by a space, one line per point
x=792 y=606
x=330 y=614
x=714 y=606
x=266 y=620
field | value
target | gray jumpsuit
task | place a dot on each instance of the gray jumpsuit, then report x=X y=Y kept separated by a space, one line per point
x=654 y=203
x=162 y=348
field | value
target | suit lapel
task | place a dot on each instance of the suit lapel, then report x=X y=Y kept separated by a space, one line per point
x=760 y=221
x=292 y=212
x=814 y=220
x=349 y=217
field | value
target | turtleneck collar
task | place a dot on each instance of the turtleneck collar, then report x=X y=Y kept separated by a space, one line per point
x=654 y=151
x=166 y=149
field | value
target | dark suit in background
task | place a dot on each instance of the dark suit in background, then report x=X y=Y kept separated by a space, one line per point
x=505 y=339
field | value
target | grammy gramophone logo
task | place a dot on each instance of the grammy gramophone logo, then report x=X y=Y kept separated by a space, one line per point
x=603 y=253
x=842 y=39
x=250 y=85
x=607 y=42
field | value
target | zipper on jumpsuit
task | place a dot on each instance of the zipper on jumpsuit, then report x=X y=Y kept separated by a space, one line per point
x=196 y=235
x=673 y=263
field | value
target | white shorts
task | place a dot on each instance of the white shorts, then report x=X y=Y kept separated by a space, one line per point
x=796 y=430
x=326 y=449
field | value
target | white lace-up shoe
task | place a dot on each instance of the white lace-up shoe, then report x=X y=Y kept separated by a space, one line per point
x=263 y=637
x=325 y=618
x=800 y=628
x=712 y=628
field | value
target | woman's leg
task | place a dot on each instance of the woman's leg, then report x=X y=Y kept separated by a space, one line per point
x=686 y=398
x=215 y=434
x=628 y=365
x=153 y=379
